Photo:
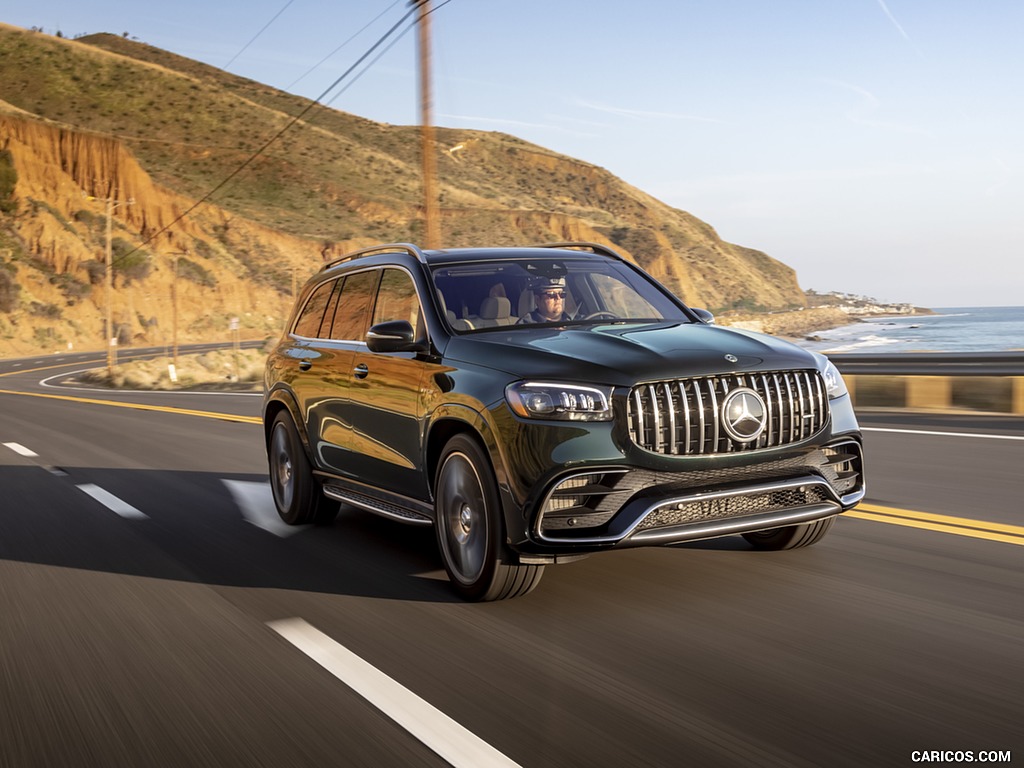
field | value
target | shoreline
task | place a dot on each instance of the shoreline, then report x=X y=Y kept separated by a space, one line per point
x=950 y=330
x=797 y=324
x=801 y=327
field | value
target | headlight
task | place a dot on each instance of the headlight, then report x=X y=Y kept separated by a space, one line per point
x=564 y=402
x=834 y=384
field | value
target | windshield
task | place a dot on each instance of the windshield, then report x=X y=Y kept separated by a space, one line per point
x=499 y=293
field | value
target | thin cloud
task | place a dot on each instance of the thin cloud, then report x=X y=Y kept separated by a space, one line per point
x=509 y=123
x=899 y=27
x=868 y=105
x=645 y=115
x=769 y=183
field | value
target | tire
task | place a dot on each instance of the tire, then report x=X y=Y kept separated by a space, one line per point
x=471 y=530
x=297 y=494
x=790 y=537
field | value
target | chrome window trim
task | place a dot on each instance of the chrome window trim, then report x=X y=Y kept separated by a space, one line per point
x=373 y=308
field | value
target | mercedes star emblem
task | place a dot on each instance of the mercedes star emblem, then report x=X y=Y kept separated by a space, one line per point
x=744 y=415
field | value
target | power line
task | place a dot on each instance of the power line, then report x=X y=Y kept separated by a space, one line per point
x=244 y=47
x=277 y=135
x=329 y=55
x=378 y=57
x=369 y=65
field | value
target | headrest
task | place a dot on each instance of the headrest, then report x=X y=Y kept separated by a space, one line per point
x=495 y=308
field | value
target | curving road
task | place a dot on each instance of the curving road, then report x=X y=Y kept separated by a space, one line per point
x=153 y=612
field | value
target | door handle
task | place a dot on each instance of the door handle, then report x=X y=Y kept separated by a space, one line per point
x=305 y=365
x=361 y=371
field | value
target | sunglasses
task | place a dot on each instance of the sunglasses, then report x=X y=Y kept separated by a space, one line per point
x=553 y=294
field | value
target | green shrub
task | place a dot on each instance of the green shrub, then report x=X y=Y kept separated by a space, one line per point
x=197 y=273
x=72 y=289
x=49 y=311
x=8 y=178
x=128 y=261
x=9 y=290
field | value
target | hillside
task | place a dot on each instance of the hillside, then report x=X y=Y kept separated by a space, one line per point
x=103 y=117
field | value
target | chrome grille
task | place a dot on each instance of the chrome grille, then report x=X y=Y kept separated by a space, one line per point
x=684 y=416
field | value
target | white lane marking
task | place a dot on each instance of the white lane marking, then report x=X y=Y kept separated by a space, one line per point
x=111 y=502
x=21 y=450
x=256 y=501
x=942 y=434
x=434 y=728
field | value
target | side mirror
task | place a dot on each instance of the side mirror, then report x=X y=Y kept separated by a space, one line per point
x=705 y=316
x=393 y=336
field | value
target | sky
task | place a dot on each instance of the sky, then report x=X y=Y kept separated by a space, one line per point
x=875 y=146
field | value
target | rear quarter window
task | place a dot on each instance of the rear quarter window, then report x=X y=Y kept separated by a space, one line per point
x=308 y=323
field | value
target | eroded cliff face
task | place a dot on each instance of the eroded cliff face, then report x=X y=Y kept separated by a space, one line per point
x=56 y=239
x=496 y=190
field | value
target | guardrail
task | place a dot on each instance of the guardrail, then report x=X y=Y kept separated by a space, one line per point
x=936 y=381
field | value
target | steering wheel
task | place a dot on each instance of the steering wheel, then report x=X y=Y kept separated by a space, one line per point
x=603 y=313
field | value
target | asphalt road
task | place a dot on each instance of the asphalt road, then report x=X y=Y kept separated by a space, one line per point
x=153 y=613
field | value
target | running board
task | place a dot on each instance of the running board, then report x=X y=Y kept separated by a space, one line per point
x=382 y=508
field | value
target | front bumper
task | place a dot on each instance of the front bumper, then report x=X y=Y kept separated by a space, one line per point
x=589 y=509
x=635 y=507
x=585 y=488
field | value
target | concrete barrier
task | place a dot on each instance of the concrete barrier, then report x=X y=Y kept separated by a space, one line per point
x=938 y=382
x=987 y=394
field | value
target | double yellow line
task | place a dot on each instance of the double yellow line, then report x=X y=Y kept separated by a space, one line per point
x=960 y=526
x=141 y=407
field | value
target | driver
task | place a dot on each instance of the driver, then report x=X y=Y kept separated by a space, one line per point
x=549 y=294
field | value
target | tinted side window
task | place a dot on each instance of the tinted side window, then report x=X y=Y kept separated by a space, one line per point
x=352 y=316
x=332 y=307
x=308 y=323
x=396 y=299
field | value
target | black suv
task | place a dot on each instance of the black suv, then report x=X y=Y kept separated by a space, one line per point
x=539 y=404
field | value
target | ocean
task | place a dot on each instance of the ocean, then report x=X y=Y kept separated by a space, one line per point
x=951 y=329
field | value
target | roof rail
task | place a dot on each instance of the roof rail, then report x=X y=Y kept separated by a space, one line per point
x=597 y=248
x=408 y=248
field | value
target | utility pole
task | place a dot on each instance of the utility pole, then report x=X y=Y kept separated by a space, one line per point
x=111 y=338
x=111 y=204
x=431 y=212
x=174 y=309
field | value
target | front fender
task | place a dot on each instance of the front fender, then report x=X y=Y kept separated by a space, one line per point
x=453 y=418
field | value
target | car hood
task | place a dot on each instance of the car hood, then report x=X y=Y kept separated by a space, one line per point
x=623 y=354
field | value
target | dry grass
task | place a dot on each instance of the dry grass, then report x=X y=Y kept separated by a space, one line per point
x=227 y=370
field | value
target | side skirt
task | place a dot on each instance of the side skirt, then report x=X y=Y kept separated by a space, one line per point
x=393 y=507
